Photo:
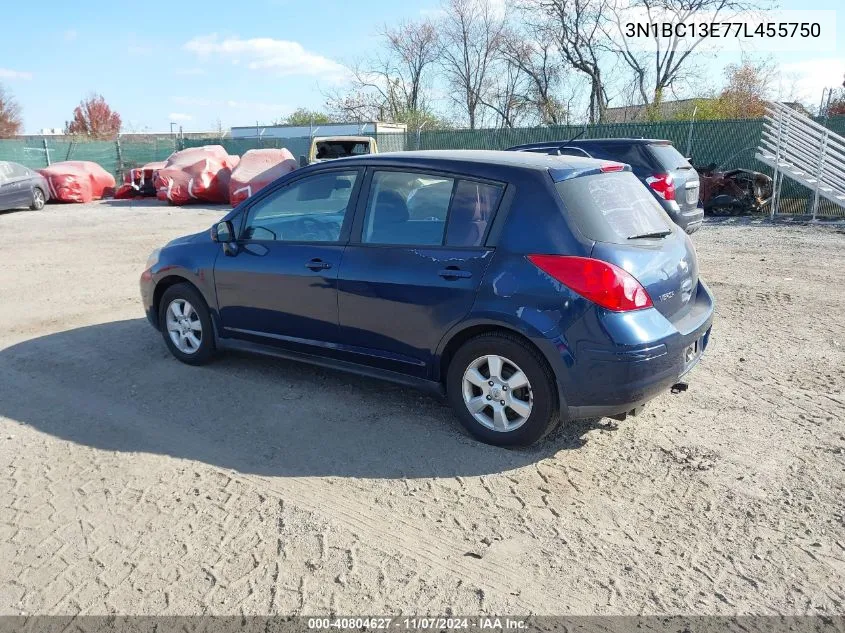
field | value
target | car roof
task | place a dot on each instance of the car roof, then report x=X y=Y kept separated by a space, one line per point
x=559 y=167
x=588 y=141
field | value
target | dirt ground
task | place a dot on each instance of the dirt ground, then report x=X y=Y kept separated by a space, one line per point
x=134 y=484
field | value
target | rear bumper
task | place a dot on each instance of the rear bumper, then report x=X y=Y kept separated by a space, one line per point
x=608 y=379
x=689 y=219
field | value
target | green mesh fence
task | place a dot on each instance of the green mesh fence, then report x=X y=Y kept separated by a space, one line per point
x=113 y=156
x=728 y=144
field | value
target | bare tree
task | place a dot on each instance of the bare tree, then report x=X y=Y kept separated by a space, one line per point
x=391 y=84
x=471 y=33
x=10 y=115
x=536 y=59
x=507 y=94
x=656 y=70
x=356 y=105
x=578 y=29
x=413 y=47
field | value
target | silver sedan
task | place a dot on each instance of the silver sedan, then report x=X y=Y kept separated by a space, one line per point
x=22 y=187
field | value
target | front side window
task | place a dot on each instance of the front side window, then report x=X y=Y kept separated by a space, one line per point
x=413 y=208
x=309 y=210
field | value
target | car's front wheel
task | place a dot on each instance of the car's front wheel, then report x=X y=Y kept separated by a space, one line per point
x=502 y=390
x=38 y=199
x=185 y=324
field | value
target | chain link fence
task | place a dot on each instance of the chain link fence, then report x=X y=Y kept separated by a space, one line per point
x=727 y=144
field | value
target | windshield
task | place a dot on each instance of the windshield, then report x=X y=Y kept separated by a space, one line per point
x=669 y=157
x=612 y=207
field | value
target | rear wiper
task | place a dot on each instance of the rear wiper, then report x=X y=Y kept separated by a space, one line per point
x=656 y=234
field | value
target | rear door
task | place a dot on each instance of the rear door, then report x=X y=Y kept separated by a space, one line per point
x=412 y=268
x=632 y=230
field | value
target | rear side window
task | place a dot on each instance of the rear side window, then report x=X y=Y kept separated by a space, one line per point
x=419 y=209
x=612 y=207
x=669 y=157
x=473 y=207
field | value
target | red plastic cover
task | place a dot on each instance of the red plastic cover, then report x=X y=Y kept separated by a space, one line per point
x=78 y=181
x=139 y=182
x=196 y=174
x=141 y=175
x=257 y=169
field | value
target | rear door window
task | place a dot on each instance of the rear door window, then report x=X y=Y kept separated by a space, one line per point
x=18 y=171
x=5 y=171
x=612 y=207
x=420 y=209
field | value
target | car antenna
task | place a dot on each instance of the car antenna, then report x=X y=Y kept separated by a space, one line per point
x=574 y=138
x=577 y=136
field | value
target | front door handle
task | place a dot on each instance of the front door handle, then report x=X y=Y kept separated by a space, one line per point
x=318 y=264
x=453 y=272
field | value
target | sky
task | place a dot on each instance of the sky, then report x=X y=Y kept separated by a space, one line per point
x=241 y=62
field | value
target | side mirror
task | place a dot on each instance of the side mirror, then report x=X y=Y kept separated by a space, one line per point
x=223 y=232
x=303 y=162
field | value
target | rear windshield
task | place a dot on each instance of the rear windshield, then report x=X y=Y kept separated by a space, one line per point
x=668 y=157
x=612 y=207
x=342 y=149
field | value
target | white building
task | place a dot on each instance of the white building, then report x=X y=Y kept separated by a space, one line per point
x=372 y=128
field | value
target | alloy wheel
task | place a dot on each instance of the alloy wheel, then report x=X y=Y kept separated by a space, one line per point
x=497 y=393
x=184 y=326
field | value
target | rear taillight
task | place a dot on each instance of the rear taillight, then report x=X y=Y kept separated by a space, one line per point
x=663 y=185
x=601 y=282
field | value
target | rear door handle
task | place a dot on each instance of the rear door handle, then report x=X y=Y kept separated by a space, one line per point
x=318 y=264
x=454 y=273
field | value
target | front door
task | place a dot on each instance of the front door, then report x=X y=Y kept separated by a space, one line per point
x=280 y=285
x=415 y=269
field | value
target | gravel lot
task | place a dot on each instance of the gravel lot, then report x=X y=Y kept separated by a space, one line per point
x=134 y=484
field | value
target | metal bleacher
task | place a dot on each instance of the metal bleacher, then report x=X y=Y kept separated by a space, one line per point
x=798 y=148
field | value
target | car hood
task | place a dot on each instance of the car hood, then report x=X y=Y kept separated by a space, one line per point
x=189 y=239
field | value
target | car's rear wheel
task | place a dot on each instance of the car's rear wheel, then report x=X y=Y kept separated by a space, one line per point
x=38 y=199
x=502 y=390
x=185 y=324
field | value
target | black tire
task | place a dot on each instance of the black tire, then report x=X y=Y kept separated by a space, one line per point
x=38 y=199
x=186 y=292
x=544 y=416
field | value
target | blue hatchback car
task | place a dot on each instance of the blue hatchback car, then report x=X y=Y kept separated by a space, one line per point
x=527 y=288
